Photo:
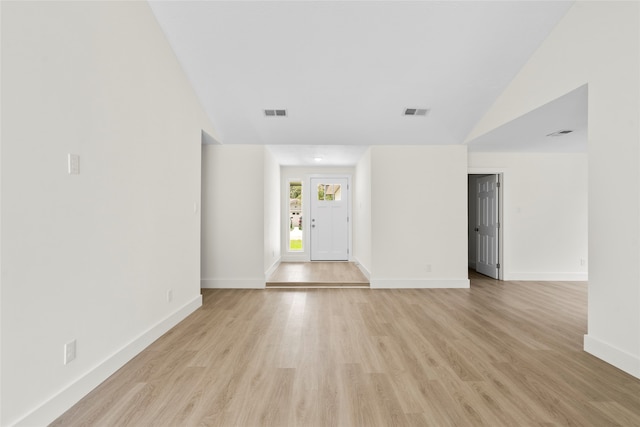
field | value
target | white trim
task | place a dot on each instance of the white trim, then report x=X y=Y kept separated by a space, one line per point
x=307 y=207
x=56 y=405
x=304 y=175
x=304 y=286
x=295 y=257
x=418 y=283
x=486 y=171
x=233 y=283
x=562 y=276
x=627 y=362
x=272 y=269
x=287 y=254
x=362 y=268
x=502 y=214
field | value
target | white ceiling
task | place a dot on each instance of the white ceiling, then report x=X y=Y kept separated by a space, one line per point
x=529 y=133
x=317 y=155
x=345 y=70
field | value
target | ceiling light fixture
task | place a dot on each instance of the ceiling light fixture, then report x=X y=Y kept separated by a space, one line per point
x=317 y=159
x=416 y=111
x=275 y=113
x=560 y=133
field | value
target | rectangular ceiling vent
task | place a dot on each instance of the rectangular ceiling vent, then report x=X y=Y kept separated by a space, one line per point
x=275 y=113
x=416 y=111
x=560 y=133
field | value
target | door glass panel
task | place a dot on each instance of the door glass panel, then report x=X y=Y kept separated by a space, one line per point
x=336 y=192
x=295 y=216
x=329 y=192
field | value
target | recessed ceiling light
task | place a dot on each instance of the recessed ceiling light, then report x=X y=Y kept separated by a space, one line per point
x=415 y=111
x=560 y=133
x=275 y=113
x=317 y=159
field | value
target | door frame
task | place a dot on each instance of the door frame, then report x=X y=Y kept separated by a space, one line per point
x=343 y=203
x=305 y=254
x=501 y=173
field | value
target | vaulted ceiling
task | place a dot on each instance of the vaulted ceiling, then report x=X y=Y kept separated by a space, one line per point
x=345 y=71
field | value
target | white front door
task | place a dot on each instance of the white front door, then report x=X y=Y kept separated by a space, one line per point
x=488 y=227
x=329 y=219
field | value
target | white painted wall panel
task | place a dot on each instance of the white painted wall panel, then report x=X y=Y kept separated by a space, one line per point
x=545 y=214
x=233 y=222
x=598 y=43
x=419 y=215
x=272 y=218
x=91 y=256
x=362 y=212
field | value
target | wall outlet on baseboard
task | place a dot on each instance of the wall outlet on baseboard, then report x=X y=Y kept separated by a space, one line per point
x=69 y=351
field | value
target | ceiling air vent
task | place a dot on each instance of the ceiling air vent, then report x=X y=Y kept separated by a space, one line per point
x=275 y=113
x=560 y=133
x=416 y=111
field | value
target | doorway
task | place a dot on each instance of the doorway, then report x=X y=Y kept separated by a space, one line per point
x=484 y=224
x=329 y=220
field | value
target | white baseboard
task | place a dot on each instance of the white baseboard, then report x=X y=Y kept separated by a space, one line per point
x=295 y=257
x=272 y=269
x=418 y=283
x=547 y=277
x=233 y=283
x=69 y=396
x=362 y=268
x=627 y=362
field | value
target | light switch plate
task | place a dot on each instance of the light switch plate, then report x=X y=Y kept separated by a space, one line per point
x=74 y=164
x=69 y=351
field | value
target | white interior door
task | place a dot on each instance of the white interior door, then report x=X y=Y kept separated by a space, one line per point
x=488 y=227
x=329 y=219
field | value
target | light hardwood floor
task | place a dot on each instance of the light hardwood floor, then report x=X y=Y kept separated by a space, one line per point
x=497 y=354
x=317 y=273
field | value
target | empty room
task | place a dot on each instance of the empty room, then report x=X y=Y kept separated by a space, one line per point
x=319 y=213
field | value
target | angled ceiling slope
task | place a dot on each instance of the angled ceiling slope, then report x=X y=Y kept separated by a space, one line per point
x=543 y=130
x=347 y=71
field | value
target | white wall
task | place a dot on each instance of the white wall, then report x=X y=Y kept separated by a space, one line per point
x=90 y=257
x=303 y=174
x=362 y=213
x=233 y=216
x=544 y=214
x=272 y=217
x=598 y=43
x=419 y=216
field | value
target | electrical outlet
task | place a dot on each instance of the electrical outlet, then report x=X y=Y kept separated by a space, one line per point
x=170 y=295
x=427 y=268
x=69 y=351
x=583 y=262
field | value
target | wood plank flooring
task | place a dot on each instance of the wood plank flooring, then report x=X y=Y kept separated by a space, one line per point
x=317 y=274
x=497 y=354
